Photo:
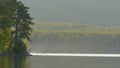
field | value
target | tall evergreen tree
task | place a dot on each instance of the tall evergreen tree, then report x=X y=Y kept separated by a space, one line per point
x=15 y=26
x=22 y=23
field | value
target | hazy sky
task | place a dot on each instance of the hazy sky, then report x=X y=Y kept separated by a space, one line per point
x=78 y=11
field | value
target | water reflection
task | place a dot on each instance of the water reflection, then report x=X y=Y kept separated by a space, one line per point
x=14 y=62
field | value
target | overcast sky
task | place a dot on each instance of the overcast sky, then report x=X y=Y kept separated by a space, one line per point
x=105 y=12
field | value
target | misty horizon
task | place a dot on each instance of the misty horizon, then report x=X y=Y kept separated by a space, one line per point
x=102 y=12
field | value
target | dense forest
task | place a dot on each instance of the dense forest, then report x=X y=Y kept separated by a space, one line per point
x=70 y=30
x=77 y=38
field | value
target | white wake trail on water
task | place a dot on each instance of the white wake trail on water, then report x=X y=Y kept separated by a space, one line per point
x=75 y=54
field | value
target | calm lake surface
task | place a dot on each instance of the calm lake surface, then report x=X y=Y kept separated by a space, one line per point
x=58 y=62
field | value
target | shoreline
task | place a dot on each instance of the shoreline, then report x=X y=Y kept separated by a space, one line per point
x=14 y=54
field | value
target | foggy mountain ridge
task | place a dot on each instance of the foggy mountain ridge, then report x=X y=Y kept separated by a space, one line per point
x=103 y=12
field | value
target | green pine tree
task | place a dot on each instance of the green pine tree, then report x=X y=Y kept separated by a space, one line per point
x=15 y=26
x=22 y=23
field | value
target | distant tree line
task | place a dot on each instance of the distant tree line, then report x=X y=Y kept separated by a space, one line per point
x=15 y=27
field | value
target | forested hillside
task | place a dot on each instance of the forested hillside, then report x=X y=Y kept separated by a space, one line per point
x=76 y=38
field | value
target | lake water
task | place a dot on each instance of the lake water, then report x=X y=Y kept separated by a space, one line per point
x=59 y=62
